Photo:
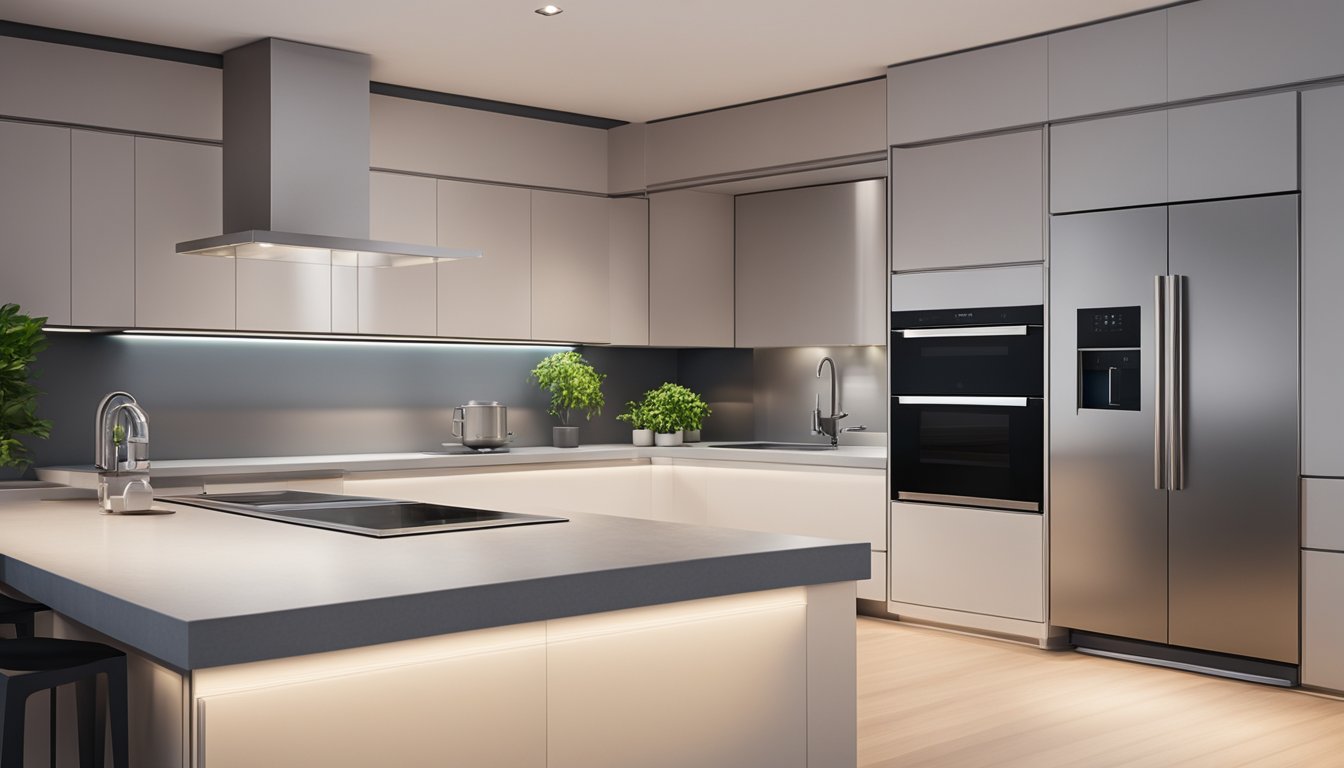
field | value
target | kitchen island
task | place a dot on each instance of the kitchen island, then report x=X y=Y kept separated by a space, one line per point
x=598 y=641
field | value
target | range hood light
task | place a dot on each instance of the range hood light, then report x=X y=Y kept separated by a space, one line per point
x=322 y=250
x=550 y=10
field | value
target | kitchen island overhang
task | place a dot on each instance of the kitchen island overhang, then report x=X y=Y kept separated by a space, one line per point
x=221 y=599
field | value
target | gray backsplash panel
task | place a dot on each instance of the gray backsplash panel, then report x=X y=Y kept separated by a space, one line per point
x=787 y=387
x=220 y=398
x=223 y=398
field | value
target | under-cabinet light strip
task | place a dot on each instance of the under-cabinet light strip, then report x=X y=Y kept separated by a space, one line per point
x=241 y=335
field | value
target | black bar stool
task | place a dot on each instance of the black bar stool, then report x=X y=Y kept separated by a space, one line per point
x=19 y=613
x=43 y=663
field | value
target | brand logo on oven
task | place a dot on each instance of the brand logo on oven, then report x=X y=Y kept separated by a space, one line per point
x=960 y=315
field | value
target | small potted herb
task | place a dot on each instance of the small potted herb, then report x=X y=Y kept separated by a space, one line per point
x=20 y=340
x=574 y=385
x=636 y=417
x=671 y=409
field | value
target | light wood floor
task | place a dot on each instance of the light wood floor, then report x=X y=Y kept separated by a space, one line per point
x=931 y=698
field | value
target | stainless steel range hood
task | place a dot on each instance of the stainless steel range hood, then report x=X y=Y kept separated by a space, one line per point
x=296 y=161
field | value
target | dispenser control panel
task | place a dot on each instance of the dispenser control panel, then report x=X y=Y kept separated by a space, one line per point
x=1108 y=328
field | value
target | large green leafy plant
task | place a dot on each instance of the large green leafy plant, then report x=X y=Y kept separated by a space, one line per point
x=20 y=340
x=573 y=383
x=672 y=408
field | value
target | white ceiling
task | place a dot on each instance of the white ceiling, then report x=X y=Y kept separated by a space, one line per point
x=633 y=60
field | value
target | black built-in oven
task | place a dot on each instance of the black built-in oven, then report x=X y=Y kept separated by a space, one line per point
x=967 y=410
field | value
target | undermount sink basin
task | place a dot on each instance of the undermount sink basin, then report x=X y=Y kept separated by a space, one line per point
x=776 y=446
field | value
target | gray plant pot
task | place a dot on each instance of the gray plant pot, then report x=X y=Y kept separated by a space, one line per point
x=565 y=437
x=690 y=435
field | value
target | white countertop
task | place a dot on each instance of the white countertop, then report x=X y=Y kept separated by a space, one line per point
x=853 y=456
x=200 y=588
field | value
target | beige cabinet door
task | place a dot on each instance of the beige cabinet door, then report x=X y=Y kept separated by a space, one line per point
x=690 y=269
x=729 y=687
x=1322 y=281
x=812 y=266
x=569 y=268
x=489 y=297
x=1001 y=86
x=179 y=196
x=399 y=301
x=102 y=229
x=968 y=203
x=35 y=219
x=629 y=249
x=1233 y=148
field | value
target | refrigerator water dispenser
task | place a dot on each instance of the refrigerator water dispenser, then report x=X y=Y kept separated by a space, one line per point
x=1108 y=358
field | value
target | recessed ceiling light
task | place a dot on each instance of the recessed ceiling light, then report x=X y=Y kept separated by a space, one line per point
x=550 y=10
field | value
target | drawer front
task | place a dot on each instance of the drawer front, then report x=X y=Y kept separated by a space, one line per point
x=962 y=559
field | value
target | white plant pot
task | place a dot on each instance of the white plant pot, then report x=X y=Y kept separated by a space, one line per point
x=691 y=435
x=666 y=439
x=642 y=437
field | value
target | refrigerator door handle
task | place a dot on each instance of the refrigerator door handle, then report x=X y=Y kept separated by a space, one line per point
x=1176 y=389
x=1160 y=383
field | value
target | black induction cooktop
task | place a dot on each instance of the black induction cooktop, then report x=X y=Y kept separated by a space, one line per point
x=364 y=515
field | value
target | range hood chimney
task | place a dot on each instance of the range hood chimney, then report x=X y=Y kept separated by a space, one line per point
x=296 y=161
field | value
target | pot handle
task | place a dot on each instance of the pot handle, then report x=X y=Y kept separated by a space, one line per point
x=459 y=421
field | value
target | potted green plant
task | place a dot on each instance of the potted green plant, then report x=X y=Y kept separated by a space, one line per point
x=20 y=340
x=636 y=416
x=574 y=385
x=671 y=409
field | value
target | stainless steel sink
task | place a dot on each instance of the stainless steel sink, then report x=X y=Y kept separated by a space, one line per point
x=776 y=446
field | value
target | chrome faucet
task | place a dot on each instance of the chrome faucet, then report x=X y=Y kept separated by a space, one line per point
x=121 y=454
x=830 y=425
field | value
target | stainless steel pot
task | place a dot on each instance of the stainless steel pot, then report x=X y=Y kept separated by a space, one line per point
x=482 y=424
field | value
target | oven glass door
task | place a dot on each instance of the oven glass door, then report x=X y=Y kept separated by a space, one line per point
x=1003 y=360
x=988 y=454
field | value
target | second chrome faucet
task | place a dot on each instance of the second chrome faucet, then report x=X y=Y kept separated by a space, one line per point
x=830 y=425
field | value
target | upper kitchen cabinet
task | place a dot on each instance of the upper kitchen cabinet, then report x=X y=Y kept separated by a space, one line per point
x=1233 y=148
x=400 y=301
x=1322 y=281
x=1113 y=162
x=489 y=297
x=968 y=203
x=570 y=278
x=1224 y=46
x=629 y=259
x=1223 y=149
x=690 y=269
x=811 y=266
x=1115 y=65
x=1003 y=86
x=179 y=196
x=102 y=229
x=82 y=86
x=459 y=142
x=831 y=123
x=35 y=219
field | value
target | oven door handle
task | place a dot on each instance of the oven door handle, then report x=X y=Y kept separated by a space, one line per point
x=948 y=333
x=1012 y=402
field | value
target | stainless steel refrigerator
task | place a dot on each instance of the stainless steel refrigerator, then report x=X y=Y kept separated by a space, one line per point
x=1174 y=425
